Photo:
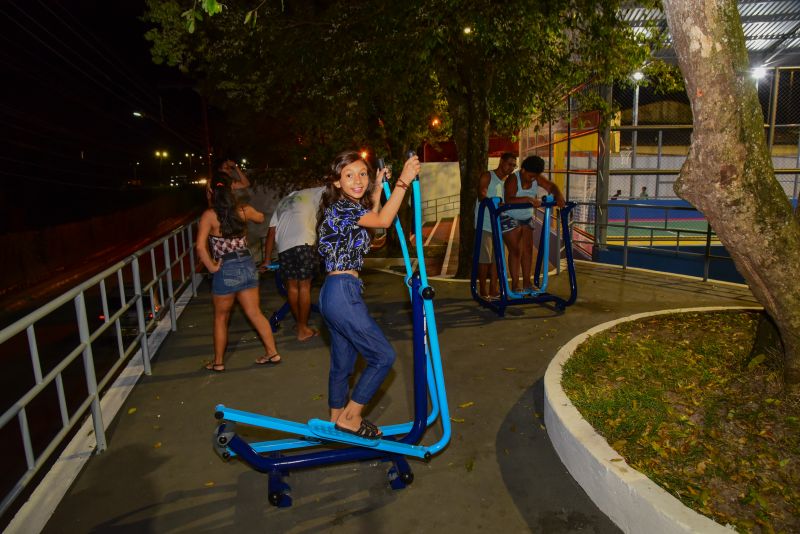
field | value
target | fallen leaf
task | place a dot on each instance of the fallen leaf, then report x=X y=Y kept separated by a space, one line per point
x=470 y=465
x=131 y=411
x=157 y=445
x=209 y=484
x=509 y=368
x=316 y=397
x=466 y=404
x=457 y=419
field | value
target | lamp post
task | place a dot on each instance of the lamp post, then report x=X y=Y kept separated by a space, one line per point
x=637 y=77
x=189 y=157
x=160 y=154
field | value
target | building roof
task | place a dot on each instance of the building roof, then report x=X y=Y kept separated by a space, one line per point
x=771 y=30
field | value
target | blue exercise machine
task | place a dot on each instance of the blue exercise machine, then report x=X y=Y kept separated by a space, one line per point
x=399 y=441
x=276 y=318
x=492 y=208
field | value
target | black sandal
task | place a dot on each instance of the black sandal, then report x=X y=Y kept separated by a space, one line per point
x=366 y=430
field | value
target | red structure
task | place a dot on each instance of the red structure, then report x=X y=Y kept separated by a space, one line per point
x=446 y=151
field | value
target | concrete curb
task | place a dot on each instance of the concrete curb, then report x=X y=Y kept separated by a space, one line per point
x=631 y=500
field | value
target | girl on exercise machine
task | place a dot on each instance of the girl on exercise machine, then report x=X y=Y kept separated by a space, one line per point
x=350 y=206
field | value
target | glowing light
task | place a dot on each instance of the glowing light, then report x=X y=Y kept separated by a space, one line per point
x=759 y=72
x=435 y=122
x=364 y=154
x=467 y=30
x=638 y=76
x=137 y=114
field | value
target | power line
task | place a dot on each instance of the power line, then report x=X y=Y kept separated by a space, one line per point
x=115 y=64
x=99 y=83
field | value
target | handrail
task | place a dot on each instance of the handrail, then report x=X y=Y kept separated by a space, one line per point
x=168 y=256
x=707 y=233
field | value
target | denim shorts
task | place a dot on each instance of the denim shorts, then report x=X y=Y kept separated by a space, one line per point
x=511 y=223
x=234 y=276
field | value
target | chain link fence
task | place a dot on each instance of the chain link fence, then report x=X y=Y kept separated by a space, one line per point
x=650 y=135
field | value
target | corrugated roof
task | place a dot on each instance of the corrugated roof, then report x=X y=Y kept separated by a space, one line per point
x=771 y=30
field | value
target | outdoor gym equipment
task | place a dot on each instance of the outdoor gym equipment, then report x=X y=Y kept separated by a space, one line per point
x=491 y=207
x=399 y=441
x=276 y=318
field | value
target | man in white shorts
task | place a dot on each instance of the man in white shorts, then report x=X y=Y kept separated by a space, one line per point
x=293 y=228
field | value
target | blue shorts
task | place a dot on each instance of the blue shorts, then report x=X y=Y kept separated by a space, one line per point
x=234 y=276
x=511 y=223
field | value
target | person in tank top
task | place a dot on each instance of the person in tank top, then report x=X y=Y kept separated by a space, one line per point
x=491 y=184
x=525 y=187
x=222 y=247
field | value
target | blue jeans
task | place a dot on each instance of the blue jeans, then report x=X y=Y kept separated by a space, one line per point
x=352 y=331
x=234 y=276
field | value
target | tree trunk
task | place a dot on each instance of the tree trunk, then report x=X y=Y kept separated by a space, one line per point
x=470 y=115
x=728 y=174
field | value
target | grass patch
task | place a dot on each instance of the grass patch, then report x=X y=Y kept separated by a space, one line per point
x=686 y=400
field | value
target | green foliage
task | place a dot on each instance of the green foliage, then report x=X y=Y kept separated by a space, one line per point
x=373 y=74
x=384 y=68
x=671 y=396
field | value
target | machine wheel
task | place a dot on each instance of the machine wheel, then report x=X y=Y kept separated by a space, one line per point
x=222 y=440
x=407 y=477
x=280 y=500
x=399 y=479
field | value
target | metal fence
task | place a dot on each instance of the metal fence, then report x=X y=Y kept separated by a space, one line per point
x=638 y=157
x=73 y=346
x=677 y=231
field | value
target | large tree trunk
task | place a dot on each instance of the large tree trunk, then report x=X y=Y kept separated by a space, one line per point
x=470 y=115
x=728 y=174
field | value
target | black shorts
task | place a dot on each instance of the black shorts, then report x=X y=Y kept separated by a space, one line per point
x=299 y=263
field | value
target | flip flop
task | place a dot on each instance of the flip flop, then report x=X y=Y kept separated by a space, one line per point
x=269 y=360
x=366 y=430
x=215 y=367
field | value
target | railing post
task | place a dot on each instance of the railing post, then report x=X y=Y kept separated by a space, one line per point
x=658 y=160
x=625 y=240
x=191 y=260
x=707 y=258
x=137 y=289
x=88 y=365
x=170 y=295
x=773 y=109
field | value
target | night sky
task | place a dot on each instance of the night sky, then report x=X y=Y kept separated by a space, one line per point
x=75 y=72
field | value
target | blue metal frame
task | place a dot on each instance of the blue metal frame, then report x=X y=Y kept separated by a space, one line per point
x=540 y=295
x=399 y=441
x=276 y=318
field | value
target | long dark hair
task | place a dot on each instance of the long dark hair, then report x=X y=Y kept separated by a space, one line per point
x=332 y=193
x=225 y=206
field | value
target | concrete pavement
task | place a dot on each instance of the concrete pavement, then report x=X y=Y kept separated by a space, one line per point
x=499 y=473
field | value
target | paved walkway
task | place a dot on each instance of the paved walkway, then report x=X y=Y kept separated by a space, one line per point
x=499 y=473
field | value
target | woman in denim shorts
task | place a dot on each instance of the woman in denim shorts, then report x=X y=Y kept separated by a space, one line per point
x=350 y=205
x=222 y=247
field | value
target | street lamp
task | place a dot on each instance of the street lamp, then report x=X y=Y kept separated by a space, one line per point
x=161 y=154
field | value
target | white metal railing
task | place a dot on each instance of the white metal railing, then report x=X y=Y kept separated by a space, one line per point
x=171 y=264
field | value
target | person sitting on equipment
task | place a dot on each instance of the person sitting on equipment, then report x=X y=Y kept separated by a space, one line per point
x=350 y=206
x=523 y=186
x=293 y=228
